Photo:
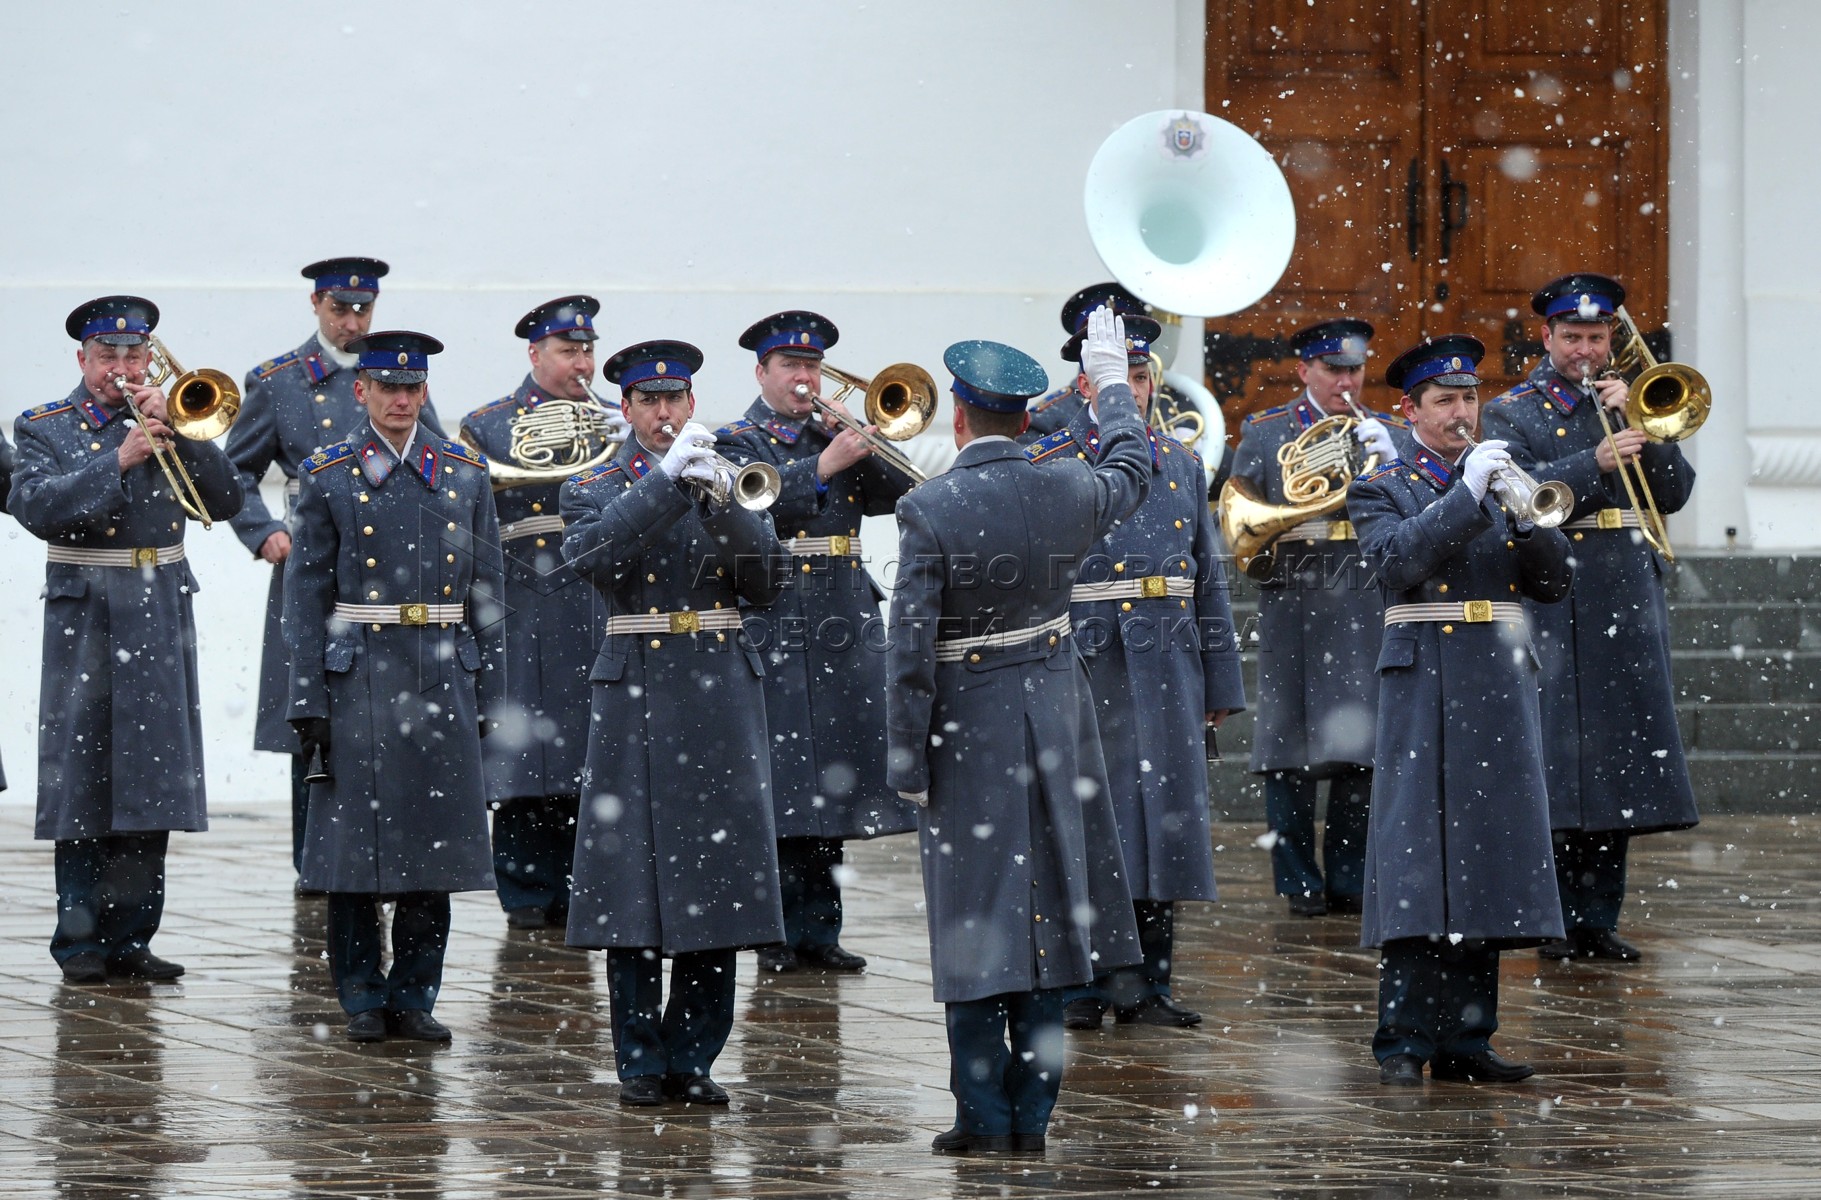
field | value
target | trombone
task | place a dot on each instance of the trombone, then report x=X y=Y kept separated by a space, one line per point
x=754 y=487
x=1668 y=401
x=202 y=405
x=900 y=400
x=1544 y=505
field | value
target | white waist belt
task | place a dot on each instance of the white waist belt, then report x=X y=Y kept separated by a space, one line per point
x=1320 y=530
x=839 y=545
x=955 y=649
x=1608 y=518
x=128 y=556
x=1468 y=612
x=292 y=487
x=543 y=523
x=401 y=614
x=675 y=622
x=1150 y=587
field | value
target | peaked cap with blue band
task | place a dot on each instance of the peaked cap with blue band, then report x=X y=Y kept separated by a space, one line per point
x=659 y=366
x=116 y=320
x=1451 y=360
x=1580 y=298
x=1116 y=296
x=569 y=317
x=350 y=280
x=395 y=355
x=993 y=376
x=1339 y=343
x=1140 y=332
x=797 y=332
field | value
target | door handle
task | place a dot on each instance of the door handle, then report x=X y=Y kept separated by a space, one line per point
x=1454 y=209
x=1413 y=208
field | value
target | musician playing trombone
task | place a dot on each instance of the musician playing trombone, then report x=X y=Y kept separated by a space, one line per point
x=1318 y=619
x=1458 y=862
x=1611 y=748
x=821 y=640
x=119 y=715
x=549 y=428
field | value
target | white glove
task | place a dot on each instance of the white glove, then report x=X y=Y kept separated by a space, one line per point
x=614 y=426
x=693 y=444
x=920 y=799
x=1103 y=354
x=1482 y=463
x=702 y=470
x=1373 y=435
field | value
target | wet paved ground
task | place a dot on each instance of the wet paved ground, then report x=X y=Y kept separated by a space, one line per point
x=1697 y=1072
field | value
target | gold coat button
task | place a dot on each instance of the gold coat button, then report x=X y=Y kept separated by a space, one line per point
x=447 y=590
x=452 y=527
x=1512 y=586
x=1126 y=607
x=320 y=397
x=654 y=610
x=806 y=568
x=802 y=533
x=451 y=494
x=1053 y=639
x=720 y=570
x=367 y=529
x=1042 y=954
x=328 y=423
x=537 y=506
x=720 y=637
x=94 y=445
x=973 y=658
x=1511 y=545
x=110 y=531
x=717 y=604
x=1577 y=537
x=1443 y=588
x=1561 y=433
x=1172 y=485
x=1119 y=568
x=364 y=498
x=655 y=643
x=376 y=629
x=1447 y=629
x=449 y=558
x=372 y=595
x=372 y=562
x=540 y=543
x=1179 y=522
x=651 y=579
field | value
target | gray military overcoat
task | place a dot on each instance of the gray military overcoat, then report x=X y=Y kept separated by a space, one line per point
x=1319 y=616
x=823 y=639
x=291 y=406
x=676 y=847
x=406 y=810
x=119 y=713
x=1156 y=665
x=1611 y=746
x=1459 y=839
x=1023 y=876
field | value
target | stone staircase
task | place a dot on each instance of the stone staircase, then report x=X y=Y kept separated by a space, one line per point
x=1746 y=643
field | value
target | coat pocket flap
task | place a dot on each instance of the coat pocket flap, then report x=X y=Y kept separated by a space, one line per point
x=1399 y=650
x=468 y=652
x=338 y=657
x=62 y=585
x=607 y=668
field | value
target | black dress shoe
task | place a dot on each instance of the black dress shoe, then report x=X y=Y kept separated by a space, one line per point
x=1028 y=1143
x=779 y=960
x=1158 y=1010
x=1308 y=905
x=959 y=1141
x=141 y=963
x=642 y=1091
x=1350 y=905
x=529 y=917
x=1085 y=1013
x=87 y=967
x=694 y=1089
x=369 y=1026
x=1488 y=1066
x=1401 y=1070
x=1604 y=943
x=419 y=1026
x=830 y=958
x=1557 y=948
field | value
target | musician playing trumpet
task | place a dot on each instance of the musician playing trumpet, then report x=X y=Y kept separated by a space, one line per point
x=549 y=428
x=1611 y=747
x=1318 y=620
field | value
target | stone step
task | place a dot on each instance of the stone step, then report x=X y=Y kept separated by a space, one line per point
x=1719 y=676
x=1751 y=728
x=1744 y=577
x=1751 y=625
x=1755 y=783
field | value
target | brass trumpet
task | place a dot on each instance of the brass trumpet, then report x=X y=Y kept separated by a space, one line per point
x=1544 y=505
x=900 y=400
x=200 y=405
x=754 y=487
x=1668 y=401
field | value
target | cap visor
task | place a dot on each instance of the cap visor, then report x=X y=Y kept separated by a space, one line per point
x=121 y=339
x=1343 y=360
x=1459 y=379
x=352 y=297
x=400 y=376
x=661 y=385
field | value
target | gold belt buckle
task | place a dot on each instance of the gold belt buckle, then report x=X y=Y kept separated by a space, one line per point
x=685 y=622
x=414 y=614
x=1476 y=612
x=145 y=556
x=1341 y=531
x=840 y=545
x=1610 y=518
x=1152 y=586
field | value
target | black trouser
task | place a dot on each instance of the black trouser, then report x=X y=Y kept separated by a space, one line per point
x=1436 y=998
x=534 y=852
x=682 y=1037
x=1129 y=987
x=110 y=894
x=1001 y=1088
x=1590 y=875
x=809 y=891
x=420 y=936
x=1290 y=812
x=300 y=809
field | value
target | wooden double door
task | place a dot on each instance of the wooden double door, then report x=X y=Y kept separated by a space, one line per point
x=1447 y=157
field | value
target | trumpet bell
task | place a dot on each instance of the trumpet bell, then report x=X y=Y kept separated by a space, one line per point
x=1190 y=212
x=204 y=404
x=1549 y=504
x=756 y=486
x=901 y=401
x=1669 y=402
